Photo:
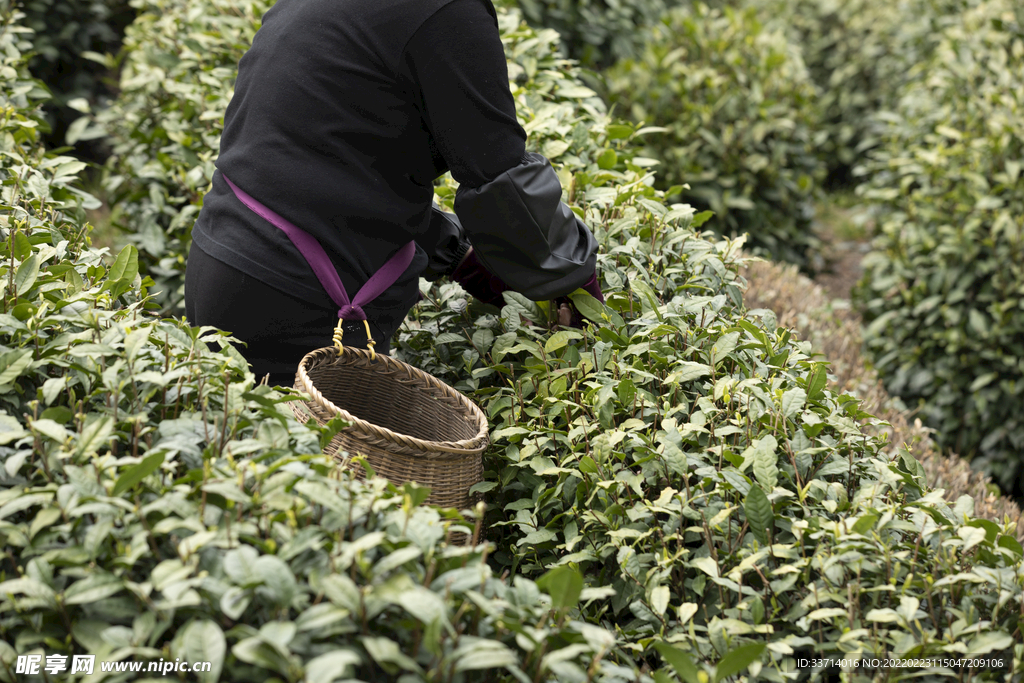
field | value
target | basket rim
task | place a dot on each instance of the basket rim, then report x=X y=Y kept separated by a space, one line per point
x=469 y=446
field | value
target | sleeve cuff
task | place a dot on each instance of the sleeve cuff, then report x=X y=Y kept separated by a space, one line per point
x=523 y=233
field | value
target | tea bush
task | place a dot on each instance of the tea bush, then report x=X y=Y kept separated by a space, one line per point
x=597 y=32
x=154 y=503
x=679 y=452
x=70 y=38
x=738 y=108
x=848 y=50
x=640 y=449
x=943 y=290
x=835 y=332
x=862 y=54
x=177 y=77
x=688 y=454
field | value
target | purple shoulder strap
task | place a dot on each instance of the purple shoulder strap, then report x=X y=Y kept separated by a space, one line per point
x=324 y=269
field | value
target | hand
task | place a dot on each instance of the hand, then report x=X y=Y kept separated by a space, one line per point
x=565 y=312
x=567 y=315
x=478 y=281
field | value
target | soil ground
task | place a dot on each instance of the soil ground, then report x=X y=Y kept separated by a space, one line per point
x=845 y=231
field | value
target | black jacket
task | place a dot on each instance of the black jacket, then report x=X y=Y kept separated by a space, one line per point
x=343 y=116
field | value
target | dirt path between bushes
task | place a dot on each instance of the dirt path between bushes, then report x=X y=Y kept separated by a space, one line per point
x=845 y=235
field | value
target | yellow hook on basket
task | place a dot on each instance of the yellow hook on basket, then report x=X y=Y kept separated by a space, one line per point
x=339 y=331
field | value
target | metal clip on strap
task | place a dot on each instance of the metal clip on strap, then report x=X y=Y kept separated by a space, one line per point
x=321 y=264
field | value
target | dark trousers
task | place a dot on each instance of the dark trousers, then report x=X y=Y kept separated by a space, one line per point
x=277 y=329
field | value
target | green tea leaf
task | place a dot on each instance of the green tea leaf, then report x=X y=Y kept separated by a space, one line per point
x=619 y=131
x=135 y=341
x=972 y=536
x=564 y=585
x=22 y=246
x=328 y=431
x=126 y=265
x=483 y=487
x=738 y=660
x=13 y=363
x=93 y=588
x=759 y=513
x=706 y=565
x=626 y=392
x=50 y=429
x=993 y=641
x=701 y=218
x=259 y=653
x=136 y=473
x=415 y=495
x=680 y=661
x=766 y=468
x=234 y=602
x=865 y=523
x=502 y=344
x=10 y=430
x=723 y=346
x=761 y=450
x=687 y=371
x=560 y=340
x=607 y=159
x=1011 y=544
x=30 y=588
x=816 y=382
x=659 y=599
x=27 y=274
x=793 y=401
x=423 y=604
x=449 y=338
x=554 y=148
x=482 y=340
x=387 y=653
x=648 y=299
x=331 y=666
x=528 y=309
x=588 y=306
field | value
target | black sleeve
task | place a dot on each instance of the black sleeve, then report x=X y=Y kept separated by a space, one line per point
x=523 y=232
x=457 y=60
x=509 y=202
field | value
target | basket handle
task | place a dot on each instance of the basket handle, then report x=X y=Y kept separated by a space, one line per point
x=339 y=331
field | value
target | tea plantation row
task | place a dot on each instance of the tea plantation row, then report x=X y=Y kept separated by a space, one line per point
x=672 y=491
x=761 y=102
x=917 y=104
x=759 y=99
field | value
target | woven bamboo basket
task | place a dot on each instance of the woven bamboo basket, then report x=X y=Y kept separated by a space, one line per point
x=408 y=424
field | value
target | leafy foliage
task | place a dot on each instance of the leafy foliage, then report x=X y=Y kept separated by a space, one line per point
x=942 y=291
x=155 y=503
x=70 y=38
x=177 y=76
x=737 y=106
x=862 y=55
x=673 y=487
x=686 y=453
x=597 y=32
x=848 y=50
